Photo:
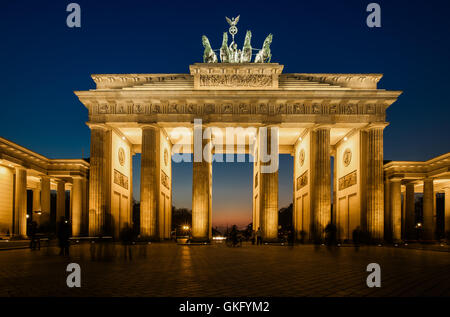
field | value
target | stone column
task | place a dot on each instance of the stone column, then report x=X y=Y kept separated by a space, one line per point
x=45 y=200
x=202 y=185
x=85 y=210
x=268 y=190
x=77 y=205
x=335 y=184
x=410 y=214
x=60 y=200
x=447 y=213
x=396 y=209
x=320 y=181
x=98 y=179
x=36 y=199
x=150 y=182
x=20 y=203
x=375 y=190
x=429 y=223
x=387 y=211
x=36 y=205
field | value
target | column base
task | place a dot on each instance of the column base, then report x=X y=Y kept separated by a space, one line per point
x=200 y=240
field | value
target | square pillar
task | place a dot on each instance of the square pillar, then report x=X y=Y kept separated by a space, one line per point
x=77 y=206
x=429 y=220
x=60 y=200
x=447 y=213
x=36 y=207
x=20 y=203
x=410 y=212
x=396 y=209
x=44 y=218
x=387 y=211
x=202 y=185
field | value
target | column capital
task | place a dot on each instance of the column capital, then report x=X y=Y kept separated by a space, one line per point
x=321 y=127
x=100 y=126
x=145 y=126
x=20 y=168
x=375 y=125
x=409 y=183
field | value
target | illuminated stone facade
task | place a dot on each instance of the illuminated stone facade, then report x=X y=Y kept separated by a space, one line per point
x=316 y=118
x=403 y=180
x=22 y=170
x=322 y=115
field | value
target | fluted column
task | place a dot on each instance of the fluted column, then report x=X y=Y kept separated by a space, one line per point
x=335 y=184
x=429 y=223
x=375 y=190
x=60 y=200
x=202 y=186
x=150 y=182
x=396 y=209
x=320 y=180
x=447 y=213
x=77 y=205
x=269 y=184
x=98 y=179
x=410 y=214
x=20 y=202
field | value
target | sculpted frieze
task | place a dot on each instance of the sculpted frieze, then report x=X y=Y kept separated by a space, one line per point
x=266 y=108
x=236 y=80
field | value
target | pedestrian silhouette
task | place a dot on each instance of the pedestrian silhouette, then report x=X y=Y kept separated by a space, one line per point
x=356 y=235
x=127 y=238
x=34 y=240
x=259 y=236
x=63 y=236
x=291 y=236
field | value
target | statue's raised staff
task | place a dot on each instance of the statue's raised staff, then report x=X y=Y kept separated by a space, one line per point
x=208 y=55
x=264 y=55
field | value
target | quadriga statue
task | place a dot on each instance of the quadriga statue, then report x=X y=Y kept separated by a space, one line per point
x=224 y=50
x=246 y=55
x=208 y=55
x=264 y=55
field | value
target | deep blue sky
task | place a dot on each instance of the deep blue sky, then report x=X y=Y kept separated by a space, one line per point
x=43 y=62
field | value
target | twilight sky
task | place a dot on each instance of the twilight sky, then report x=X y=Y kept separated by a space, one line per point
x=43 y=62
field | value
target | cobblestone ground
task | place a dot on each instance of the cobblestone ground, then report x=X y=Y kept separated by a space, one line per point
x=215 y=270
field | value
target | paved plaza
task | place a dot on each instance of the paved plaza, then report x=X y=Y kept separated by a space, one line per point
x=167 y=269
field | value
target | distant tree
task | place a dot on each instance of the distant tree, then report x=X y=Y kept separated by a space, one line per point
x=285 y=217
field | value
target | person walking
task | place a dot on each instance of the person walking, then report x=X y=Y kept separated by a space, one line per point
x=259 y=236
x=34 y=241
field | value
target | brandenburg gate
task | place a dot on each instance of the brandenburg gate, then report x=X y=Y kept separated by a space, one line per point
x=235 y=102
x=313 y=117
